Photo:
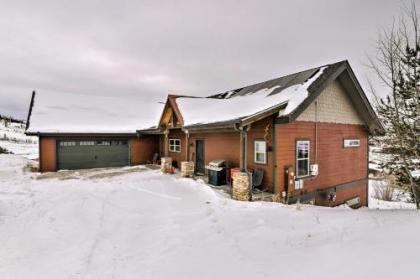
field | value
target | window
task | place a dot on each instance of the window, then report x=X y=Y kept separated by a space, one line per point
x=302 y=158
x=67 y=143
x=175 y=145
x=260 y=152
x=87 y=143
x=103 y=142
x=351 y=143
x=119 y=142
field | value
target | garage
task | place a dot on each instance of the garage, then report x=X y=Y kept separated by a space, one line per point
x=82 y=154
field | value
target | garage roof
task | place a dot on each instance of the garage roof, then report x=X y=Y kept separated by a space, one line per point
x=89 y=114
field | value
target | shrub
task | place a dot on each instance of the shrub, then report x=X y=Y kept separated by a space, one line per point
x=385 y=191
x=4 y=151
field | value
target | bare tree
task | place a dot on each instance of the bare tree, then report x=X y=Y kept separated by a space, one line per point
x=397 y=65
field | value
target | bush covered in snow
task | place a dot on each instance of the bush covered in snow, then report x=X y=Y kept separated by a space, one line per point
x=4 y=151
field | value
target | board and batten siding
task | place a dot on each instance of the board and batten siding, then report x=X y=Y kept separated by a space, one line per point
x=334 y=106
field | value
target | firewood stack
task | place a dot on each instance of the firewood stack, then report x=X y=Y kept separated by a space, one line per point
x=187 y=169
x=166 y=164
x=240 y=186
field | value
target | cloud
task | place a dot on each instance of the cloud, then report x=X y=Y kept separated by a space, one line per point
x=152 y=48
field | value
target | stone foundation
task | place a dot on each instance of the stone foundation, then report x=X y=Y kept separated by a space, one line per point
x=187 y=169
x=240 y=186
x=166 y=164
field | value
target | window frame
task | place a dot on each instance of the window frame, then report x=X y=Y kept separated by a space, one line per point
x=349 y=142
x=103 y=143
x=302 y=159
x=87 y=143
x=68 y=143
x=257 y=141
x=172 y=147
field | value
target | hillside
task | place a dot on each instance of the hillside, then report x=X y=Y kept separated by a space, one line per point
x=14 y=140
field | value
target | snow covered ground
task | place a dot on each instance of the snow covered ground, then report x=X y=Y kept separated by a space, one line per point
x=138 y=223
x=13 y=139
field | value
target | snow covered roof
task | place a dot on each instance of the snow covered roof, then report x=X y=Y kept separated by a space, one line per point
x=73 y=113
x=289 y=91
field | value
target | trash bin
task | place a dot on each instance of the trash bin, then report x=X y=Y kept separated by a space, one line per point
x=217 y=172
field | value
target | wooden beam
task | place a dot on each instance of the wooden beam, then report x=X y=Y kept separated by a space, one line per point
x=166 y=143
x=187 y=145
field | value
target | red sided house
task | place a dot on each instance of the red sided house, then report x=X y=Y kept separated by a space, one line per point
x=307 y=132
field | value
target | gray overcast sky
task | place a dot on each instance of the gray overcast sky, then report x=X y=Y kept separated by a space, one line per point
x=152 y=48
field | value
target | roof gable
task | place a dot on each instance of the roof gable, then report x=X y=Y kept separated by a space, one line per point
x=332 y=106
x=171 y=116
x=343 y=73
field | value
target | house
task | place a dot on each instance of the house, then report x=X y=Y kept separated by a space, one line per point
x=308 y=132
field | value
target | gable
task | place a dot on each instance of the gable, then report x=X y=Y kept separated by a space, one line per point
x=170 y=114
x=334 y=106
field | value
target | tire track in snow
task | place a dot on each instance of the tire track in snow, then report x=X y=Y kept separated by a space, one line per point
x=95 y=243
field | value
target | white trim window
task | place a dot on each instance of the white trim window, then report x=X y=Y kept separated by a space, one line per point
x=174 y=145
x=302 y=158
x=67 y=143
x=260 y=152
x=87 y=143
x=351 y=143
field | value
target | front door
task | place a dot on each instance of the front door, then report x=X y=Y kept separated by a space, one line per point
x=199 y=158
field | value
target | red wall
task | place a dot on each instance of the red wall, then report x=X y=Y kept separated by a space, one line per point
x=337 y=165
x=142 y=149
x=226 y=146
x=47 y=157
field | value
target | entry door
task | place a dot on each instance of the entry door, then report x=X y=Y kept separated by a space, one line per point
x=199 y=157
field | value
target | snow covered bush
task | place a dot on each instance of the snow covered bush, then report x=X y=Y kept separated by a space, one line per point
x=385 y=191
x=4 y=151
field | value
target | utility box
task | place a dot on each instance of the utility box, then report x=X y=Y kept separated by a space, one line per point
x=314 y=169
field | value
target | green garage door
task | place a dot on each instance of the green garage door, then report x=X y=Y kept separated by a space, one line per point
x=82 y=154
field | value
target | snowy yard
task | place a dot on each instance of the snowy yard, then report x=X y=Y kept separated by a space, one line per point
x=13 y=139
x=143 y=224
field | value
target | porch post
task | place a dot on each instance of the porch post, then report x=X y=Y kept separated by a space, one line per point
x=166 y=142
x=243 y=151
x=187 y=145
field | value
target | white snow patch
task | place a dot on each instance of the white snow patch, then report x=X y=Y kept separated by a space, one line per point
x=13 y=139
x=111 y=228
x=211 y=110
x=73 y=113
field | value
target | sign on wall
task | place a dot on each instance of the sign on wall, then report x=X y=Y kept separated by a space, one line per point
x=351 y=143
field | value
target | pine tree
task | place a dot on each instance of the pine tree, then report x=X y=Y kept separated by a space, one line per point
x=398 y=66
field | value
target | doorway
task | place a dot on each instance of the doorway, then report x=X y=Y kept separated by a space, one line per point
x=199 y=157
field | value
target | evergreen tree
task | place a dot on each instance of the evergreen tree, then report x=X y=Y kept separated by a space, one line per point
x=398 y=66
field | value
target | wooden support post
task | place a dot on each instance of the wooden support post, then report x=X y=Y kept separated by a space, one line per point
x=243 y=150
x=166 y=143
x=187 y=145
